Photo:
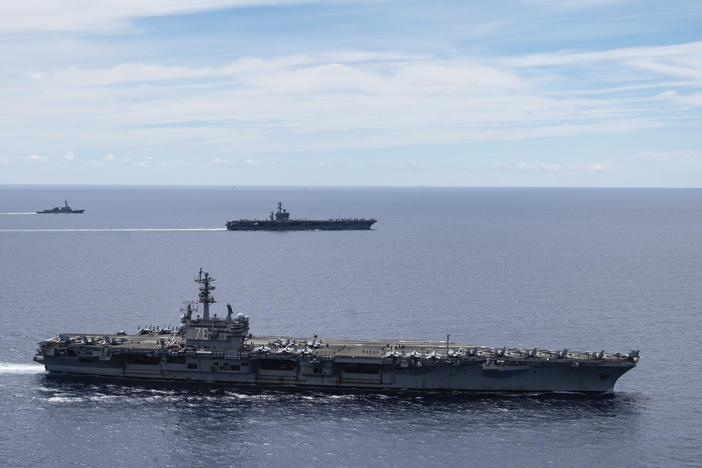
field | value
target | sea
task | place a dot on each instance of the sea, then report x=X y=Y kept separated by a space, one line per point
x=578 y=268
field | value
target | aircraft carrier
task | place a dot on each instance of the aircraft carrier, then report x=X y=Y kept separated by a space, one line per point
x=209 y=348
x=280 y=221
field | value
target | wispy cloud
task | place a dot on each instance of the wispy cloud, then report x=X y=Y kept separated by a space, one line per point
x=38 y=158
x=684 y=155
x=678 y=60
x=539 y=166
x=426 y=82
x=687 y=100
x=101 y=15
x=273 y=104
x=163 y=163
x=574 y=4
x=224 y=162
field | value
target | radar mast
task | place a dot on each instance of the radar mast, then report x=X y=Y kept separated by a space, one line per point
x=205 y=280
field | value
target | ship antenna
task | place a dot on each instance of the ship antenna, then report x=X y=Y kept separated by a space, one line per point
x=204 y=280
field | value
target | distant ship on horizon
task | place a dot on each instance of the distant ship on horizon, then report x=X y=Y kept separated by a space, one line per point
x=280 y=221
x=65 y=209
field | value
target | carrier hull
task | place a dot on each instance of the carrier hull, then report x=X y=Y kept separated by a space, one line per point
x=54 y=211
x=299 y=225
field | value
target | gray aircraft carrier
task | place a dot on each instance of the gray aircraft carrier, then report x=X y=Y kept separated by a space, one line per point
x=221 y=349
x=281 y=221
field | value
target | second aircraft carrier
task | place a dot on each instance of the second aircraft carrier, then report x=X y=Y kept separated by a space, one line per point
x=281 y=221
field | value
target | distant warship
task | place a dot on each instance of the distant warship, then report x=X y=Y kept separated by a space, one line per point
x=64 y=209
x=221 y=349
x=281 y=221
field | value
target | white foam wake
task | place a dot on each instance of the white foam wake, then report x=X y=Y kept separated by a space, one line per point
x=25 y=213
x=115 y=230
x=11 y=368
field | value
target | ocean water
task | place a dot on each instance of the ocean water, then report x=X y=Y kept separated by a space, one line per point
x=590 y=269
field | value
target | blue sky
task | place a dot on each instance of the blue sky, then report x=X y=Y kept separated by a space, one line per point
x=446 y=93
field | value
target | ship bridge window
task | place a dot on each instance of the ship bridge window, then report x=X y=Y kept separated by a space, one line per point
x=192 y=365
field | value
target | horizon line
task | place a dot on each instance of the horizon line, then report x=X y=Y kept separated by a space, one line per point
x=306 y=186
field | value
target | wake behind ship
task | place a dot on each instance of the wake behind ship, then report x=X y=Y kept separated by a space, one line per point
x=221 y=349
x=281 y=221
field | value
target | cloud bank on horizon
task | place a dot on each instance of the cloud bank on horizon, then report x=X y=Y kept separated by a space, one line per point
x=531 y=92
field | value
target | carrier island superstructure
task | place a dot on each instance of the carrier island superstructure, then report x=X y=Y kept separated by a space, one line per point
x=209 y=348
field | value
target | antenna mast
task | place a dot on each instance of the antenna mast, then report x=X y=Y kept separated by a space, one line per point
x=205 y=280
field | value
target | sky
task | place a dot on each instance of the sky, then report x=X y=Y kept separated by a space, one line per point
x=369 y=93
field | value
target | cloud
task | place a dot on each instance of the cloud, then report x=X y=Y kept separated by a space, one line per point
x=332 y=165
x=146 y=162
x=684 y=50
x=331 y=100
x=96 y=163
x=4 y=161
x=537 y=166
x=574 y=4
x=112 y=158
x=373 y=100
x=467 y=167
x=70 y=156
x=224 y=162
x=677 y=60
x=303 y=74
x=38 y=158
x=102 y=15
x=597 y=168
x=684 y=155
x=475 y=79
x=149 y=161
x=687 y=100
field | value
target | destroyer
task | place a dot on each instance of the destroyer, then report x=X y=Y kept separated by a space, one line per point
x=281 y=221
x=220 y=349
x=65 y=209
